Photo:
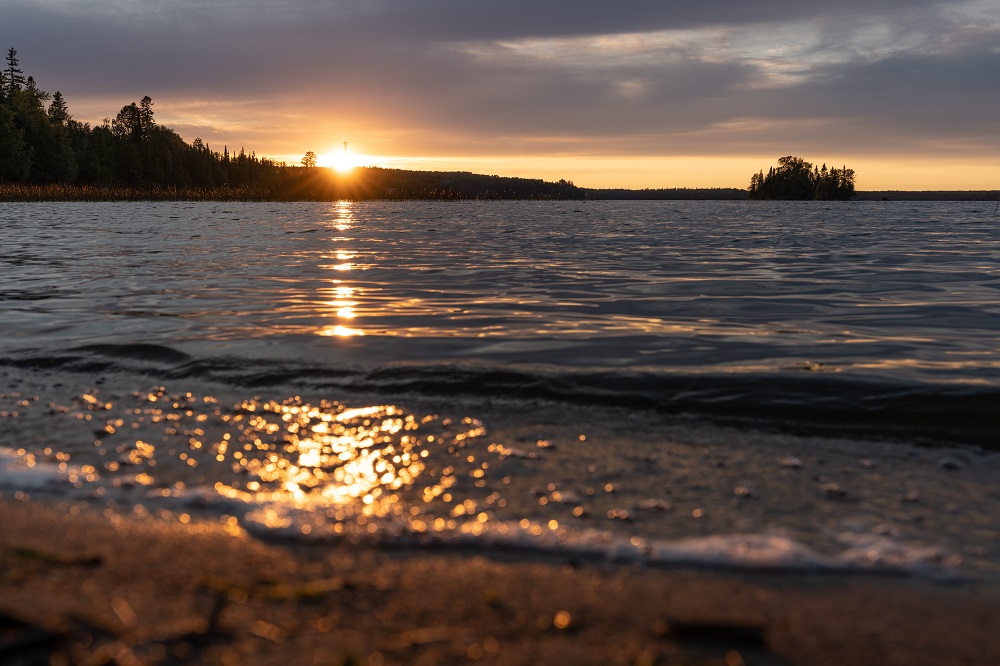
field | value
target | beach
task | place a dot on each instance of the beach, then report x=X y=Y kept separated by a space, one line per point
x=92 y=587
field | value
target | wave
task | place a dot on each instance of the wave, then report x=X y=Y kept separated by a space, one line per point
x=863 y=554
x=786 y=400
x=748 y=551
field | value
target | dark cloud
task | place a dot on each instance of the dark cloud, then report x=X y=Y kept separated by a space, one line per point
x=641 y=77
x=514 y=19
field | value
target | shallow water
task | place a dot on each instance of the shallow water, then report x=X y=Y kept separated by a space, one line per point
x=610 y=379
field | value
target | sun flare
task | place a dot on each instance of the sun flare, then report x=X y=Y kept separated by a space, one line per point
x=341 y=160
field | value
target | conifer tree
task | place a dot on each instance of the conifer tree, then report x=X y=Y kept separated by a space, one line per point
x=14 y=76
x=146 y=122
x=37 y=96
x=58 y=112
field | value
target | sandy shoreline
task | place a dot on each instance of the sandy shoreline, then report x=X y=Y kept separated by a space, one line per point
x=87 y=588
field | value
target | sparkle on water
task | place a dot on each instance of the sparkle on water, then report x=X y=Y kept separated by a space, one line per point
x=373 y=467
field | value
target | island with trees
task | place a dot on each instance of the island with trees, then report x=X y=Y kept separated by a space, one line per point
x=794 y=178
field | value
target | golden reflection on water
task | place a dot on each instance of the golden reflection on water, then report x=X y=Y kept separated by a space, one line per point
x=345 y=302
x=343 y=215
x=318 y=466
x=329 y=455
x=340 y=464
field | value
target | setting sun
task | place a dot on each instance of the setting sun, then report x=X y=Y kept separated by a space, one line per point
x=341 y=160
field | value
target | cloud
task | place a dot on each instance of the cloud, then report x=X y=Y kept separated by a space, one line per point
x=644 y=77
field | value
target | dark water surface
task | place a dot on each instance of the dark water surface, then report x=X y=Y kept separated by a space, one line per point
x=611 y=377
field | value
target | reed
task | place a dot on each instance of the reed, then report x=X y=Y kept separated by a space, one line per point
x=59 y=192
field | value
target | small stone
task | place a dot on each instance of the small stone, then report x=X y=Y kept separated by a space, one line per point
x=653 y=505
x=792 y=462
x=833 y=490
x=951 y=463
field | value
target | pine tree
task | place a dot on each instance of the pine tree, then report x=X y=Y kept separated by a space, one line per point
x=58 y=112
x=14 y=76
x=36 y=95
x=146 y=122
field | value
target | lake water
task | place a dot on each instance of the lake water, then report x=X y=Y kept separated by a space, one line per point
x=784 y=385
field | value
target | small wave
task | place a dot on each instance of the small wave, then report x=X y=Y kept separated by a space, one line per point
x=140 y=352
x=925 y=412
x=786 y=400
x=742 y=552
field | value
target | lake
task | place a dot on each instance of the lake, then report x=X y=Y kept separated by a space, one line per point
x=777 y=385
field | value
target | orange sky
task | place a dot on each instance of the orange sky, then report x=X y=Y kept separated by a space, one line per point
x=692 y=171
x=646 y=93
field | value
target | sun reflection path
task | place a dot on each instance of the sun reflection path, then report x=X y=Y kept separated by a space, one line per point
x=292 y=467
x=326 y=466
x=329 y=455
x=320 y=467
x=344 y=304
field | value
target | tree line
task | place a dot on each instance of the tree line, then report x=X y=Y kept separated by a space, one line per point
x=46 y=154
x=794 y=178
x=41 y=143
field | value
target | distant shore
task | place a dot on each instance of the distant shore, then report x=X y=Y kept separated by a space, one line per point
x=928 y=195
x=81 y=586
x=375 y=184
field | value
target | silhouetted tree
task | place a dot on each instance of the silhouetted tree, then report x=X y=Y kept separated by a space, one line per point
x=58 y=111
x=794 y=178
x=146 y=122
x=13 y=76
x=309 y=160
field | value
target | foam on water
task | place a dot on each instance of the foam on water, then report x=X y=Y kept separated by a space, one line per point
x=20 y=472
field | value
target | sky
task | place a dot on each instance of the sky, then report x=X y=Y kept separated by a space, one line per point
x=630 y=93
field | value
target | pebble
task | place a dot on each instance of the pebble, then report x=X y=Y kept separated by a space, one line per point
x=653 y=505
x=951 y=463
x=833 y=489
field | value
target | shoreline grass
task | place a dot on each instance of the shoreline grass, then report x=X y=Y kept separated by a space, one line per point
x=24 y=192
x=55 y=192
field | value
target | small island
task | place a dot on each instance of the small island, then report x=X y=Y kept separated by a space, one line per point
x=794 y=178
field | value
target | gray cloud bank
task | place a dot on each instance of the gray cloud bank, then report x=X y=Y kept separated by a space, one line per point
x=879 y=77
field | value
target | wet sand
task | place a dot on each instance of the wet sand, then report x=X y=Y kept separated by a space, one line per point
x=93 y=588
